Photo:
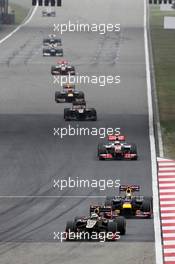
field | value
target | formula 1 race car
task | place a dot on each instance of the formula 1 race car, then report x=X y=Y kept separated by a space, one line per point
x=130 y=205
x=93 y=224
x=69 y=94
x=79 y=112
x=116 y=150
x=52 y=51
x=52 y=41
x=48 y=13
x=62 y=69
x=107 y=212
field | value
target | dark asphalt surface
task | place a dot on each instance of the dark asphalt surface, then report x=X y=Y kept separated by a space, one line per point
x=31 y=157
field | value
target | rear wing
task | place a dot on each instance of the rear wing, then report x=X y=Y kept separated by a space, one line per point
x=116 y=137
x=62 y=62
x=81 y=103
x=100 y=209
x=133 y=188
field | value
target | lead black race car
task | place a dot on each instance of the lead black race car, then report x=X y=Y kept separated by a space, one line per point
x=79 y=112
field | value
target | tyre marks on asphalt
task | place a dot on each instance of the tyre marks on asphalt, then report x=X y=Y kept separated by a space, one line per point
x=166 y=178
x=108 y=49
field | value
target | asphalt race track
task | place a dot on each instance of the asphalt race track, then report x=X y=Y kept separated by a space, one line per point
x=31 y=157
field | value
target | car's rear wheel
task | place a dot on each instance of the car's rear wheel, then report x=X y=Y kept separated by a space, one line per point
x=57 y=96
x=112 y=227
x=101 y=149
x=121 y=225
x=146 y=205
x=70 y=228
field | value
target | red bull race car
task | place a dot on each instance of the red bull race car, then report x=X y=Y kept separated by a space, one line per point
x=128 y=204
x=69 y=94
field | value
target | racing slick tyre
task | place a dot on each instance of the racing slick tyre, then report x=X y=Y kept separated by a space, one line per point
x=121 y=225
x=112 y=227
x=70 y=227
x=94 y=114
x=79 y=96
x=108 y=201
x=76 y=218
x=57 y=96
x=66 y=110
x=101 y=150
x=146 y=205
x=52 y=70
x=134 y=151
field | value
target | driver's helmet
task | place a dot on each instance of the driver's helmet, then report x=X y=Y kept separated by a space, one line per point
x=117 y=143
x=52 y=36
x=128 y=193
x=94 y=216
x=63 y=67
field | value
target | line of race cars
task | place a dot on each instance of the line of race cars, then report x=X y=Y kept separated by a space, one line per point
x=116 y=147
x=52 y=46
x=109 y=217
x=78 y=111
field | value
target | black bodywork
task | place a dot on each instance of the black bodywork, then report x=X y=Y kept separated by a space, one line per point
x=54 y=52
x=79 y=112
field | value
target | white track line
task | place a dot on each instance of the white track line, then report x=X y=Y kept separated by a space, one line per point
x=157 y=229
x=168 y=228
x=48 y=197
x=20 y=26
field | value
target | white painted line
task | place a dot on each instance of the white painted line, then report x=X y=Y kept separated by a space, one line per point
x=162 y=196
x=167 y=202
x=168 y=221
x=163 y=159
x=169 y=250
x=157 y=229
x=20 y=26
x=166 y=179
x=167 y=164
x=166 y=169
x=167 y=190
x=170 y=259
x=169 y=242
x=168 y=214
x=166 y=174
x=167 y=185
x=51 y=197
x=167 y=208
x=168 y=228
x=169 y=235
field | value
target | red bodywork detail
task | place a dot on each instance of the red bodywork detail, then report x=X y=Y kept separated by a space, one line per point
x=116 y=138
x=129 y=156
x=62 y=62
x=106 y=156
